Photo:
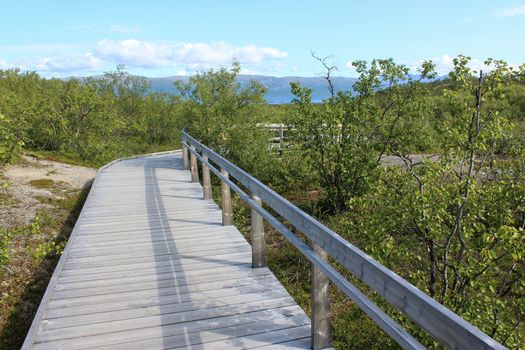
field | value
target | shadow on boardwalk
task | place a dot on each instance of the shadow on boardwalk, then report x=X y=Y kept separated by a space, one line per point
x=224 y=322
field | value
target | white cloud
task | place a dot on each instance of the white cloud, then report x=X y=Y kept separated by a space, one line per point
x=191 y=55
x=445 y=64
x=509 y=12
x=501 y=12
x=248 y=71
x=134 y=53
x=69 y=63
x=5 y=65
x=59 y=64
x=182 y=57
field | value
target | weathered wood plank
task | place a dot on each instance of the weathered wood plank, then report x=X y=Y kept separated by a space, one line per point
x=80 y=264
x=160 y=235
x=180 y=232
x=155 y=246
x=177 y=277
x=193 y=262
x=165 y=251
x=156 y=281
x=266 y=281
x=93 y=341
x=148 y=269
x=245 y=336
x=165 y=308
x=221 y=294
x=149 y=321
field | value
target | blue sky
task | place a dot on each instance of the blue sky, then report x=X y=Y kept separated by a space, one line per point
x=165 y=38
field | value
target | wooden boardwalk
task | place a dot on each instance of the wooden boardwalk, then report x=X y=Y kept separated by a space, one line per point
x=149 y=266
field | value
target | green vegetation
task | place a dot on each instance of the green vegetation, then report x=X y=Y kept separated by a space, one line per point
x=28 y=256
x=42 y=183
x=93 y=120
x=446 y=212
x=345 y=137
x=224 y=117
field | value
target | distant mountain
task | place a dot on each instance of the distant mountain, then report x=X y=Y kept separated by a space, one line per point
x=279 y=90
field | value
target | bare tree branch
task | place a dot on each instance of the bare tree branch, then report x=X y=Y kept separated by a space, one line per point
x=329 y=68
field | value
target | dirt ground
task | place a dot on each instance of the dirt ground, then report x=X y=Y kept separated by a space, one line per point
x=28 y=193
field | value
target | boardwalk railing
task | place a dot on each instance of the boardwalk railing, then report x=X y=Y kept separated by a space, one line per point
x=442 y=324
x=276 y=129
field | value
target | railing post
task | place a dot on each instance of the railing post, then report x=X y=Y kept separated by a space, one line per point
x=321 y=333
x=206 y=182
x=194 y=169
x=281 y=137
x=226 y=201
x=185 y=163
x=258 y=243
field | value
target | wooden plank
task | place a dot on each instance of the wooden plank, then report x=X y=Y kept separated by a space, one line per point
x=153 y=236
x=150 y=321
x=181 y=276
x=191 y=262
x=141 y=208
x=197 y=252
x=255 y=340
x=83 y=263
x=93 y=341
x=147 y=216
x=232 y=285
x=151 y=268
x=107 y=228
x=154 y=221
x=180 y=231
x=126 y=255
x=303 y=343
x=139 y=302
x=172 y=245
x=64 y=321
x=243 y=336
x=157 y=281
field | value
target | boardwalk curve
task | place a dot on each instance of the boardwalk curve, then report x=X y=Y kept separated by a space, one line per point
x=150 y=266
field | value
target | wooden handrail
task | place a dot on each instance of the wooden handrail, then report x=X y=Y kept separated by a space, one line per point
x=442 y=324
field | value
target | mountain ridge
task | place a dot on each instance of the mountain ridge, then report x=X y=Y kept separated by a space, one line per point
x=278 y=88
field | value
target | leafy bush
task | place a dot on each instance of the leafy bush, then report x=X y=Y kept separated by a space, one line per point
x=90 y=119
x=345 y=137
x=227 y=118
x=11 y=139
x=454 y=225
